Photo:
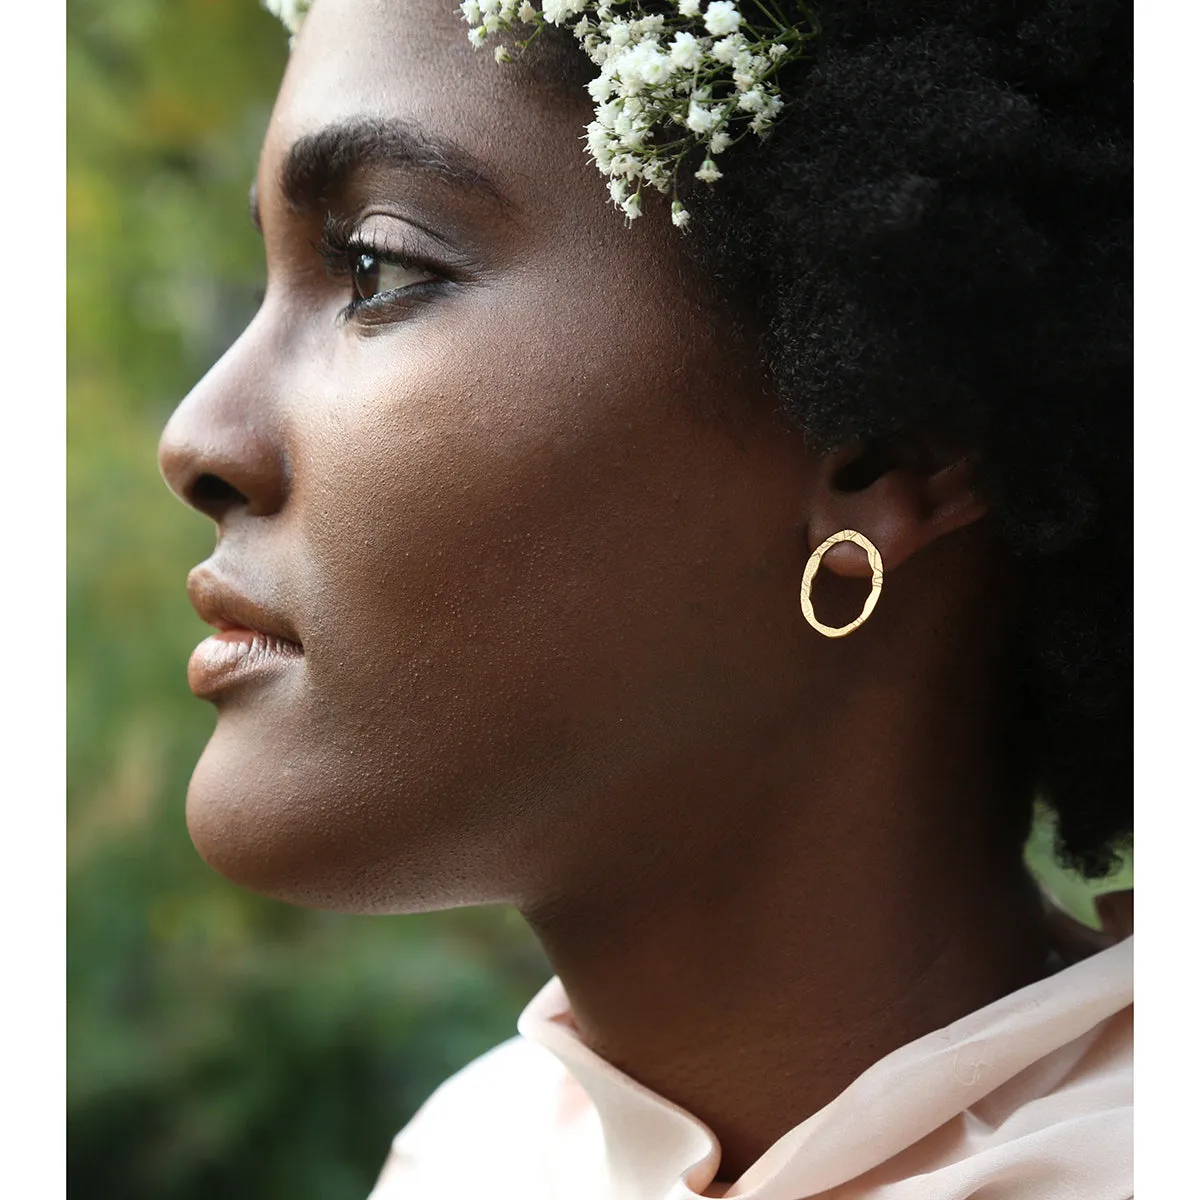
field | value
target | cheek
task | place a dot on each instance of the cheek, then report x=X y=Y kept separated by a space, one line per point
x=515 y=550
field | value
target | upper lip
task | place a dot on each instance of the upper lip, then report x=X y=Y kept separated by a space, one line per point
x=220 y=604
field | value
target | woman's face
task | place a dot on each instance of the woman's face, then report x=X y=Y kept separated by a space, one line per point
x=522 y=503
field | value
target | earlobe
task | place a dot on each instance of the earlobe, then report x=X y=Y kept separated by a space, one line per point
x=898 y=501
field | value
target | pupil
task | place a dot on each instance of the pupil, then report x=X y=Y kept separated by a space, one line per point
x=366 y=276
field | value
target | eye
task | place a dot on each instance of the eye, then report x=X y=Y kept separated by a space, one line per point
x=372 y=275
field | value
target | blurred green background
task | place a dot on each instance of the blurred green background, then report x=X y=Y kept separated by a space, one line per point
x=220 y=1045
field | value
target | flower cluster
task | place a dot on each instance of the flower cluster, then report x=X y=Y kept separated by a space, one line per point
x=690 y=83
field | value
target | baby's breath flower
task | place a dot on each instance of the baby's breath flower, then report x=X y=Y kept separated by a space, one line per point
x=643 y=65
x=558 y=12
x=602 y=87
x=721 y=17
x=752 y=101
x=728 y=48
x=686 y=51
x=648 y=26
x=700 y=66
x=701 y=119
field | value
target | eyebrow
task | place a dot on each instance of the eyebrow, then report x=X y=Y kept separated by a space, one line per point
x=319 y=163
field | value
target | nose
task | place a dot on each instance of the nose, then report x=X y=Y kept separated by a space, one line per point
x=222 y=450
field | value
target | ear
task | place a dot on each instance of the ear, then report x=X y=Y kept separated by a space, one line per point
x=902 y=497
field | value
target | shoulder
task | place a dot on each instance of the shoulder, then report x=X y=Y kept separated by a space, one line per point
x=484 y=1123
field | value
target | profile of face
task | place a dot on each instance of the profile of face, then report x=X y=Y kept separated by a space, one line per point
x=501 y=499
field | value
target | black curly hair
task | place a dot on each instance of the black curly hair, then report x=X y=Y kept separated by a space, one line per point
x=940 y=237
x=936 y=238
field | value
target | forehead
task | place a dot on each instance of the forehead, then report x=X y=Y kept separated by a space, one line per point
x=410 y=60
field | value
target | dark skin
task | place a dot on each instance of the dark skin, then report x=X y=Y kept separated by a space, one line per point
x=532 y=518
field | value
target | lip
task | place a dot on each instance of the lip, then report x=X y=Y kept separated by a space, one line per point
x=251 y=640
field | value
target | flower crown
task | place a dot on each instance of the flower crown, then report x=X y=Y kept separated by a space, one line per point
x=658 y=101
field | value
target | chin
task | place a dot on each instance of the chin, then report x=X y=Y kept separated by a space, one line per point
x=267 y=825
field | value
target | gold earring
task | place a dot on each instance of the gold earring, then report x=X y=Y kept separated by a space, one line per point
x=810 y=571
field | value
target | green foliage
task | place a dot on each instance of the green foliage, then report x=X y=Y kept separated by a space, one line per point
x=219 y=1044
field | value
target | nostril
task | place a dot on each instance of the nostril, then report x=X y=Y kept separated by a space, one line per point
x=213 y=496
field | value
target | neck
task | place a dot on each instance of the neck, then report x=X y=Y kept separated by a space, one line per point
x=752 y=972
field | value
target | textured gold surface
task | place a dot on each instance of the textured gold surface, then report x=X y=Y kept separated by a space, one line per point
x=810 y=571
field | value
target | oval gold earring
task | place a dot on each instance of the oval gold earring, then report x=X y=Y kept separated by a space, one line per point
x=810 y=571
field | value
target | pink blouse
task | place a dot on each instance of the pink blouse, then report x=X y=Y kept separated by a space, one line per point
x=1030 y=1098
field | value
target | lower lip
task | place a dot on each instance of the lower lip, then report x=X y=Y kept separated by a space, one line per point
x=236 y=656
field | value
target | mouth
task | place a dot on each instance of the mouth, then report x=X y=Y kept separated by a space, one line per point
x=251 y=641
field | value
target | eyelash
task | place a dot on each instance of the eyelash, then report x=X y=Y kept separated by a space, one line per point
x=340 y=247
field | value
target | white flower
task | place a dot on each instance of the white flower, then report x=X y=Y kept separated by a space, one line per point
x=631 y=134
x=679 y=215
x=752 y=101
x=701 y=119
x=689 y=8
x=728 y=48
x=557 y=12
x=616 y=190
x=583 y=28
x=491 y=23
x=686 y=51
x=597 y=138
x=602 y=87
x=708 y=172
x=760 y=124
x=657 y=174
x=719 y=141
x=633 y=206
x=778 y=50
x=644 y=64
x=721 y=17
x=607 y=114
x=618 y=33
x=489 y=8
x=477 y=36
x=626 y=165
x=471 y=12
x=527 y=12
x=502 y=55
x=648 y=26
